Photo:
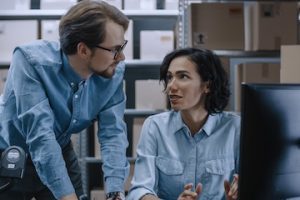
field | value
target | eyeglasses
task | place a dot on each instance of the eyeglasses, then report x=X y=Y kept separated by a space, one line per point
x=115 y=51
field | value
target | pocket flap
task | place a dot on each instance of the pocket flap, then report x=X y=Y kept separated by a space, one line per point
x=169 y=166
x=219 y=166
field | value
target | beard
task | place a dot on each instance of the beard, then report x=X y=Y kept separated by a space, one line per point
x=107 y=73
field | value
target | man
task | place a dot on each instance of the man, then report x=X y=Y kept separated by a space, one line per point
x=54 y=90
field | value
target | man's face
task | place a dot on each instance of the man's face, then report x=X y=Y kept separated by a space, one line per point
x=104 y=59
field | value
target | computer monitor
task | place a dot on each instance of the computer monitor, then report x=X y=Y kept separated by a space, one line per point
x=270 y=142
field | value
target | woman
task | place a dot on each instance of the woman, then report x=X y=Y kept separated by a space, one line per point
x=191 y=151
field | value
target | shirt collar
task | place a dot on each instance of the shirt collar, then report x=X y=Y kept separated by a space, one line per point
x=178 y=123
x=210 y=124
x=72 y=77
x=208 y=127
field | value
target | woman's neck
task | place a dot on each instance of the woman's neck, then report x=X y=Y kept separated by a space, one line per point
x=194 y=119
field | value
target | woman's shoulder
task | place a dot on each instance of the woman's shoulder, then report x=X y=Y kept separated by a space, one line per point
x=229 y=116
x=162 y=116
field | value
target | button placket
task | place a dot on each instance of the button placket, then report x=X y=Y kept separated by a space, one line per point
x=77 y=88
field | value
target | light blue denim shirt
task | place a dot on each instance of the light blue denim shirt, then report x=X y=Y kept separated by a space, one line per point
x=169 y=157
x=45 y=101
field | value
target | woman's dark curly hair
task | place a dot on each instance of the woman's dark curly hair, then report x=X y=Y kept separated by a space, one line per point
x=210 y=70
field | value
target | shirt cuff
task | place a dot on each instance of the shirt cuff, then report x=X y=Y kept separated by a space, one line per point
x=113 y=184
x=62 y=187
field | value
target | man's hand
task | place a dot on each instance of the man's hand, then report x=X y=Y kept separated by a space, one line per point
x=231 y=190
x=187 y=194
x=70 y=197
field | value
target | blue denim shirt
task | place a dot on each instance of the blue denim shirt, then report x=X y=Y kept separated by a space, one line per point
x=169 y=157
x=45 y=101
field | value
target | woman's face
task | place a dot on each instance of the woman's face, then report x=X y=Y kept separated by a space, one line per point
x=185 y=88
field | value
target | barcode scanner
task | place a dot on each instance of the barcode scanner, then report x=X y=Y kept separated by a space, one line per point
x=13 y=162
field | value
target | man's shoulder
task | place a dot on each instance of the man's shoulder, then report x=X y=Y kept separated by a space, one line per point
x=40 y=51
x=40 y=45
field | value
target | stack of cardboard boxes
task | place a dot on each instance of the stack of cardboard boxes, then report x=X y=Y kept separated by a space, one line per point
x=245 y=26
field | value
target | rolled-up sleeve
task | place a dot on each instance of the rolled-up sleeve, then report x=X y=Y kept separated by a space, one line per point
x=145 y=175
x=112 y=136
x=36 y=123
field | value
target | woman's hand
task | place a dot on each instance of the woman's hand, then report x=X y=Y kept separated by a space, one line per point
x=231 y=190
x=188 y=194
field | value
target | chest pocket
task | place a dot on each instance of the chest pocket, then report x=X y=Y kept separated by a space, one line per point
x=216 y=171
x=170 y=177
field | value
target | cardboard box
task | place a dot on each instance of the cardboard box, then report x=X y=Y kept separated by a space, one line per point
x=149 y=95
x=290 y=64
x=139 y=4
x=272 y=24
x=10 y=36
x=57 y=4
x=154 y=45
x=116 y=3
x=217 y=26
x=255 y=73
x=15 y=5
x=128 y=51
x=50 y=30
x=171 y=4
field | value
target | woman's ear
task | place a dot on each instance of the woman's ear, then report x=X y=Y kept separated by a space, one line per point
x=207 y=87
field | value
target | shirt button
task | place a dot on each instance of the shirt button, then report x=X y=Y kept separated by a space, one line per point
x=74 y=121
x=72 y=84
x=76 y=96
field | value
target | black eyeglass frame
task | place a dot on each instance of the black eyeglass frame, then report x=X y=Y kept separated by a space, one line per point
x=115 y=51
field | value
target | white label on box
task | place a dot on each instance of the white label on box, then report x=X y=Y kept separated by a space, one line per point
x=116 y=3
x=148 y=4
x=128 y=51
x=10 y=36
x=57 y=4
x=15 y=5
x=171 y=4
x=154 y=45
x=50 y=30
x=139 y=4
x=131 y=4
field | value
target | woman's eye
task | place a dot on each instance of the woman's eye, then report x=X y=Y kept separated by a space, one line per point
x=183 y=76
